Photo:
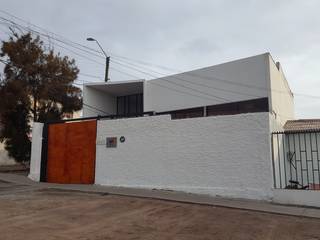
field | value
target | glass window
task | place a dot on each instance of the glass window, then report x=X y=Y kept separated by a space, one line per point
x=121 y=106
x=130 y=105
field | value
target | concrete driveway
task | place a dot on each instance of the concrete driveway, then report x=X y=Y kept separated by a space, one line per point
x=30 y=212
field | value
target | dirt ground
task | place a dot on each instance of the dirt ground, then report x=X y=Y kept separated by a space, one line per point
x=27 y=213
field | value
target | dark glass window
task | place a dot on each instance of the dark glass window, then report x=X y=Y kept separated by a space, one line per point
x=130 y=105
x=254 y=105
x=140 y=103
x=187 y=113
x=121 y=105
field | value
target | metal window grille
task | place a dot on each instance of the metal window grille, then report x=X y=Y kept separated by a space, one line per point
x=296 y=160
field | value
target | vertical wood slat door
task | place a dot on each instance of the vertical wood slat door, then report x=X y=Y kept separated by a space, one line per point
x=72 y=152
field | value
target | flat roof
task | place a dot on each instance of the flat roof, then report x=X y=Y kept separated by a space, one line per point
x=118 y=88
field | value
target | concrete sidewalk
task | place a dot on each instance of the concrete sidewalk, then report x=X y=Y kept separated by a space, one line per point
x=261 y=206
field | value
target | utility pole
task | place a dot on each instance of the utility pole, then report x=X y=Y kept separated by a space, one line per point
x=106 y=77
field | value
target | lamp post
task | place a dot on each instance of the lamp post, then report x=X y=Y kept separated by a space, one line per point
x=106 y=77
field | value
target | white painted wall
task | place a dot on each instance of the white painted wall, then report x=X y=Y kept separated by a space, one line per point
x=239 y=80
x=281 y=104
x=101 y=103
x=4 y=158
x=36 y=148
x=230 y=82
x=297 y=197
x=225 y=155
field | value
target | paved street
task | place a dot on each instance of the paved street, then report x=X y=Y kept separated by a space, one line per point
x=30 y=212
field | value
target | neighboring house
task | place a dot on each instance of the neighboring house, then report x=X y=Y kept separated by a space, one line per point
x=208 y=131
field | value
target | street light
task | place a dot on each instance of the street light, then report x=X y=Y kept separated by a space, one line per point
x=106 y=78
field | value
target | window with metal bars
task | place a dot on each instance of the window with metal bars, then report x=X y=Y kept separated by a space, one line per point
x=130 y=105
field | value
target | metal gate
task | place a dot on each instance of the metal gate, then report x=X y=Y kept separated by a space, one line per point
x=68 y=154
x=296 y=160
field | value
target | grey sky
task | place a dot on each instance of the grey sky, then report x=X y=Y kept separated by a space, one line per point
x=184 y=35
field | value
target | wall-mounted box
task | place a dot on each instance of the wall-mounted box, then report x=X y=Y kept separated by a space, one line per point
x=111 y=142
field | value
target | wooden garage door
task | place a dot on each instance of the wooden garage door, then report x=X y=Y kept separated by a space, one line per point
x=71 y=152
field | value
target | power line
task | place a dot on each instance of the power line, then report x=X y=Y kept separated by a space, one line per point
x=201 y=84
x=147 y=72
x=73 y=42
x=76 y=53
x=92 y=60
x=79 y=54
x=177 y=84
x=190 y=88
x=227 y=81
x=208 y=86
x=144 y=63
x=89 y=75
x=97 y=109
x=70 y=43
x=125 y=73
x=8 y=64
x=89 y=50
x=43 y=29
x=14 y=24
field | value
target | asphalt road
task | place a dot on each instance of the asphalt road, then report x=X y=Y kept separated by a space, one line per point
x=27 y=212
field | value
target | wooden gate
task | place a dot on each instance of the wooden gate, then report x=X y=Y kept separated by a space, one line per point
x=71 y=150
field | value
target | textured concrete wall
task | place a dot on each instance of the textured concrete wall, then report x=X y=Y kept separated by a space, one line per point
x=224 y=155
x=36 y=148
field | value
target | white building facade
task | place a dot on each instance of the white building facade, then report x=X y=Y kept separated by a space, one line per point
x=204 y=131
x=256 y=77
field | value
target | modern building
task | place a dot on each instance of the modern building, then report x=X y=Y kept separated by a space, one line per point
x=220 y=130
x=253 y=84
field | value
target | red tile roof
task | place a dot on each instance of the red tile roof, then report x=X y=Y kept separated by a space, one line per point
x=302 y=125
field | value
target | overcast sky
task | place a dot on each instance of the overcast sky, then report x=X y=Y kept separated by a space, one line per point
x=185 y=35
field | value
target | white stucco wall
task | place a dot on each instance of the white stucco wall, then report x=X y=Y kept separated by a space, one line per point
x=232 y=81
x=225 y=155
x=281 y=100
x=97 y=102
x=36 y=148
